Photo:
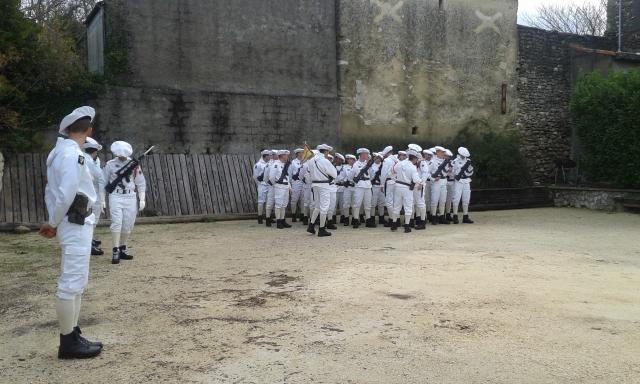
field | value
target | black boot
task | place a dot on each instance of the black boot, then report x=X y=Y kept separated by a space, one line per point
x=355 y=223
x=96 y=243
x=72 y=347
x=268 y=221
x=305 y=220
x=412 y=223
x=123 y=253
x=322 y=232
x=331 y=224
x=317 y=221
x=434 y=220
x=448 y=218
x=361 y=219
x=311 y=229
x=381 y=220
x=260 y=220
x=371 y=222
x=342 y=219
x=285 y=224
x=346 y=221
x=442 y=220
x=294 y=218
x=115 y=257
x=466 y=219
x=393 y=225
x=79 y=333
x=407 y=228
x=95 y=251
x=456 y=220
x=420 y=224
x=429 y=216
x=279 y=224
x=388 y=223
x=334 y=219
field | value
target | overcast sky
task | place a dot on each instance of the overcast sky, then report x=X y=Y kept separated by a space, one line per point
x=529 y=6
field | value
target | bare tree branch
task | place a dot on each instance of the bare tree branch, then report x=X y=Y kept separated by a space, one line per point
x=581 y=19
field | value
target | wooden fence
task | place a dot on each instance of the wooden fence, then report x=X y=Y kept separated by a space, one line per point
x=177 y=185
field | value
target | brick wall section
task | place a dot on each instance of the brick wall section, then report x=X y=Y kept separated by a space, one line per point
x=544 y=89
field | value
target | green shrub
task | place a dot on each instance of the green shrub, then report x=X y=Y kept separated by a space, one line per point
x=606 y=114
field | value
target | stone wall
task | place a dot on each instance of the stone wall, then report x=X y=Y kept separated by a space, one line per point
x=544 y=89
x=591 y=198
x=631 y=23
x=423 y=70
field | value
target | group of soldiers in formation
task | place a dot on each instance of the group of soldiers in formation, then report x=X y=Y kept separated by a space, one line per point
x=422 y=185
x=75 y=197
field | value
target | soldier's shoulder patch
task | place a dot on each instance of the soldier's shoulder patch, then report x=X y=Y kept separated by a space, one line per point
x=80 y=159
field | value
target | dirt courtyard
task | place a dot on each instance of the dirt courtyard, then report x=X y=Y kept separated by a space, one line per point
x=526 y=296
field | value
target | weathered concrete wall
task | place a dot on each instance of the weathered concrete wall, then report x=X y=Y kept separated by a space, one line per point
x=422 y=70
x=544 y=90
x=631 y=23
x=213 y=122
x=222 y=76
x=591 y=198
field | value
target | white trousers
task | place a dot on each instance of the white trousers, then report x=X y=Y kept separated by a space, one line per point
x=427 y=195
x=438 y=196
x=75 y=241
x=462 y=191
x=377 y=200
x=419 y=202
x=362 y=196
x=450 y=186
x=263 y=191
x=339 y=201
x=347 y=200
x=281 y=197
x=402 y=198
x=297 y=195
x=271 y=199
x=332 y=203
x=388 y=196
x=322 y=199
x=123 y=209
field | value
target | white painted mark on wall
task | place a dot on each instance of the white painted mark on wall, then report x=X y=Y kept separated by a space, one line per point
x=488 y=22
x=387 y=9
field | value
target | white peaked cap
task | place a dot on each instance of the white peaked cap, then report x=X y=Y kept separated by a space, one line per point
x=91 y=143
x=386 y=150
x=266 y=152
x=448 y=152
x=283 y=152
x=464 y=152
x=413 y=152
x=350 y=157
x=121 y=148
x=74 y=116
x=363 y=150
x=323 y=147
x=298 y=150
x=428 y=152
x=339 y=156
x=415 y=147
x=438 y=148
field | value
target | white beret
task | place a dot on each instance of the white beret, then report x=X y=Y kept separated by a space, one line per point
x=121 y=148
x=428 y=152
x=415 y=147
x=283 y=152
x=339 y=156
x=464 y=152
x=402 y=153
x=330 y=156
x=386 y=150
x=363 y=150
x=438 y=148
x=74 y=116
x=448 y=152
x=323 y=147
x=266 y=152
x=376 y=154
x=298 y=150
x=350 y=157
x=91 y=143
x=413 y=152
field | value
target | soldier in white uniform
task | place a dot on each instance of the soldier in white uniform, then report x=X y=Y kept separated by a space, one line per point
x=339 y=164
x=420 y=194
x=322 y=173
x=271 y=196
x=448 y=155
x=439 y=169
x=123 y=201
x=407 y=179
x=307 y=192
x=92 y=147
x=463 y=170
x=377 y=195
x=347 y=194
x=426 y=169
x=297 y=194
x=388 y=179
x=261 y=183
x=279 y=178
x=333 y=202
x=362 y=192
x=69 y=195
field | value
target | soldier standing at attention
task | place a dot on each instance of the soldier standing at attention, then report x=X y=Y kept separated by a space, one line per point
x=439 y=170
x=297 y=198
x=450 y=179
x=123 y=204
x=322 y=173
x=362 y=191
x=388 y=179
x=270 y=192
x=339 y=164
x=69 y=195
x=377 y=195
x=261 y=183
x=407 y=179
x=347 y=195
x=463 y=170
x=279 y=178
x=91 y=147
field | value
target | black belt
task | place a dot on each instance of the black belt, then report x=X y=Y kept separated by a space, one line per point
x=321 y=182
x=407 y=184
x=375 y=183
x=282 y=182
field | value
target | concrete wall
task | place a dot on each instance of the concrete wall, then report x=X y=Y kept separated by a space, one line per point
x=631 y=23
x=224 y=76
x=422 y=70
x=592 y=198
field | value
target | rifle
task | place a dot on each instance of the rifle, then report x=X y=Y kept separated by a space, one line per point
x=126 y=171
x=363 y=171
x=463 y=170
x=285 y=172
x=438 y=172
x=376 y=177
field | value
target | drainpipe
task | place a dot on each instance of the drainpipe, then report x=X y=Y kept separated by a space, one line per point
x=619 y=25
